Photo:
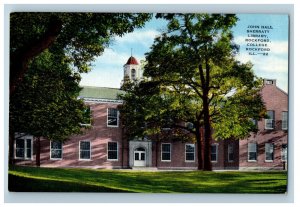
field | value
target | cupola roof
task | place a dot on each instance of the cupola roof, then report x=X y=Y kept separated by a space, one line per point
x=132 y=61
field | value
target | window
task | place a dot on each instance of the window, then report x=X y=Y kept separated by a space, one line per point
x=133 y=74
x=85 y=150
x=255 y=123
x=214 y=153
x=269 y=82
x=284 y=120
x=165 y=152
x=112 y=151
x=284 y=152
x=23 y=148
x=55 y=150
x=112 y=117
x=230 y=153
x=190 y=152
x=269 y=122
x=269 y=152
x=87 y=117
x=252 y=152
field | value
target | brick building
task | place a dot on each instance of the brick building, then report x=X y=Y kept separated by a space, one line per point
x=102 y=146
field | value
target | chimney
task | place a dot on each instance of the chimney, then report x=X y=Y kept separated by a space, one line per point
x=270 y=82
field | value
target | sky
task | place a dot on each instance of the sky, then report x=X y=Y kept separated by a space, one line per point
x=107 y=70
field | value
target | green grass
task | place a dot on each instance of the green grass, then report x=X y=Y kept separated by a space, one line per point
x=31 y=179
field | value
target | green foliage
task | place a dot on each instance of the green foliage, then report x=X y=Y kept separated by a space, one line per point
x=46 y=104
x=194 y=60
x=50 y=50
x=83 y=36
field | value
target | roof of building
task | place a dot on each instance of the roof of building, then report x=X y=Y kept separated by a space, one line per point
x=132 y=61
x=100 y=93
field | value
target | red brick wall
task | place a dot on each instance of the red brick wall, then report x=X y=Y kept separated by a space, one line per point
x=99 y=135
x=276 y=100
x=177 y=157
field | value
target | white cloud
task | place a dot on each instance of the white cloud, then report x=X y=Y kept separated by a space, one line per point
x=144 y=37
x=271 y=63
x=113 y=58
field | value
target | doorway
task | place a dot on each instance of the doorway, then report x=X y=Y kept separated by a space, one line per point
x=139 y=157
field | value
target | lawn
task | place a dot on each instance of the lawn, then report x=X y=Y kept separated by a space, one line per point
x=31 y=179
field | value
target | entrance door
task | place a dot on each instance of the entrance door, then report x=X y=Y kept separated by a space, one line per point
x=139 y=157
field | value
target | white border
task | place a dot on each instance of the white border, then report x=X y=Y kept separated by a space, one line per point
x=230 y=6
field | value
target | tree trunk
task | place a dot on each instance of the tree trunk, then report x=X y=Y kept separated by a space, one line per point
x=199 y=146
x=38 y=152
x=207 y=134
x=20 y=58
x=122 y=149
x=156 y=152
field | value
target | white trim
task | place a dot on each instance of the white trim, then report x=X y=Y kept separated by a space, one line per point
x=25 y=148
x=161 y=152
x=113 y=150
x=252 y=151
x=61 y=151
x=272 y=144
x=286 y=154
x=267 y=122
x=217 y=147
x=228 y=159
x=189 y=152
x=90 y=150
x=286 y=121
x=270 y=119
x=113 y=126
x=100 y=100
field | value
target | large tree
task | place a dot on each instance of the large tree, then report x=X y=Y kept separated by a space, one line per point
x=83 y=36
x=45 y=104
x=49 y=51
x=196 y=54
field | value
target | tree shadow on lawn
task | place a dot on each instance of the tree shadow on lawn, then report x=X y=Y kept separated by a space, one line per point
x=23 y=184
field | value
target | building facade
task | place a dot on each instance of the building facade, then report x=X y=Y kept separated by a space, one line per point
x=103 y=146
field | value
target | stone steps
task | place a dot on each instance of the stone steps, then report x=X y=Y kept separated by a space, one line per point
x=145 y=168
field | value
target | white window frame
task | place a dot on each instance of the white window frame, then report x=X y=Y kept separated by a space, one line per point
x=185 y=152
x=161 y=153
x=25 y=148
x=61 y=151
x=113 y=150
x=228 y=152
x=267 y=121
x=214 y=161
x=282 y=153
x=248 y=152
x=284 y=124
x=117 y=118
x=272 y=152
x=90 y=150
